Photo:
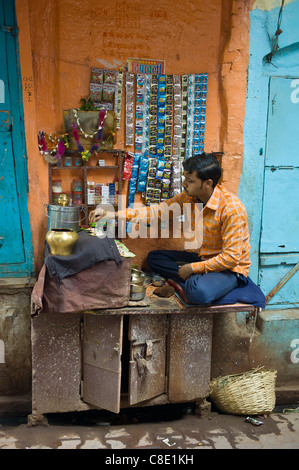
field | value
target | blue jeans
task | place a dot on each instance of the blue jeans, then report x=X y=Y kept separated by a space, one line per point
x=201 y=289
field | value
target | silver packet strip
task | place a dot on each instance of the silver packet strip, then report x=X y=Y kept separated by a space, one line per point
x=185 y=83
x=118 y=98
x=130 y=93
x=142 y=113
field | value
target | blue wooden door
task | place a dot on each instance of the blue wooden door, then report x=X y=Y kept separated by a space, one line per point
x=15 y=237
x=279 y=244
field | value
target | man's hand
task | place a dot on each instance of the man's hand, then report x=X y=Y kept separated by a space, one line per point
x=100 y=213
x=185 y=271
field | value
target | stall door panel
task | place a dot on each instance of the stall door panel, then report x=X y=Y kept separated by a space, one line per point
x=280 y=222
x=283 y=124
x=280 y=229
x=11 y=240
x=190 y=349
x=102 y=347
x=147 y=368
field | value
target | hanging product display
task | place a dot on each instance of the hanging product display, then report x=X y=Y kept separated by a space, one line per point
x=164 y=123
x=130 y=81
x=106 y=91
x=169 y=127
x=197 y=95
x=141 y=113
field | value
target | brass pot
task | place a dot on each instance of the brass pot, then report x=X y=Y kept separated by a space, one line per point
x=61 y=241
x=63 y=200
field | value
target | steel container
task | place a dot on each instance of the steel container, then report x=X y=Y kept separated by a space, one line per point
x=63 y=217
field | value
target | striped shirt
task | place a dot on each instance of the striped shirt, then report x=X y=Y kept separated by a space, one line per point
x=220 y=229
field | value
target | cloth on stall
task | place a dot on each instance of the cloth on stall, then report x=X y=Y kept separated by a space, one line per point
x=94 y=276
x=104 y=285
x=88 y=251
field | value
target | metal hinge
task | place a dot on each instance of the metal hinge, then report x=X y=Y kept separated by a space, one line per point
x=9 y=29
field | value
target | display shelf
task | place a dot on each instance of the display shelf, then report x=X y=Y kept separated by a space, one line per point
x=84 y=170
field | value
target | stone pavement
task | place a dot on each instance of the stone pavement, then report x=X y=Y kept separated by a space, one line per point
x=152 y=430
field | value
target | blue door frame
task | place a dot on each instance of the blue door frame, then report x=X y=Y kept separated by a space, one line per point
x=16 y=252
x=269 y=180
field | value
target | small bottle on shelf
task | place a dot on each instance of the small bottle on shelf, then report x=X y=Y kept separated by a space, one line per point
x=68 y=160
x=77 y=185
x=57 y=186
x=77 y=198
x=77 y=160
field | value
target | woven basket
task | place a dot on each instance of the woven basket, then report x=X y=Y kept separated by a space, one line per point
x=249 y=393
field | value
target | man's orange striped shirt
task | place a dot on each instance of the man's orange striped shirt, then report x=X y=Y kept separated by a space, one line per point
x=225 y=237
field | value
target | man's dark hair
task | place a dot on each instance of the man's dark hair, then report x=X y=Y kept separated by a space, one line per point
x=206 y=165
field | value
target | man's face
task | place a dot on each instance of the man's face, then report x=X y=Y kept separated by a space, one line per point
x=195 y=187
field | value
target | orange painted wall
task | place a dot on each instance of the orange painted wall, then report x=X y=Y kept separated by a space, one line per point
x=61 y=40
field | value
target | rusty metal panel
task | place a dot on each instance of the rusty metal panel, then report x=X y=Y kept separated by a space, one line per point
x=102 y=347
x=190 y=348
x=56 y=363
x=147 y=334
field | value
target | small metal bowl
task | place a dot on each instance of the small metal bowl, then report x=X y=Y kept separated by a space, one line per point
x=137 y=292
x=158 y=280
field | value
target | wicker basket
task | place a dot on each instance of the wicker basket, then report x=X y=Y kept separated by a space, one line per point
x=249 y=393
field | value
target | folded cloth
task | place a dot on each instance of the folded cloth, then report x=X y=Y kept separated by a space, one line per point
x=88 y=250
x=248 y=294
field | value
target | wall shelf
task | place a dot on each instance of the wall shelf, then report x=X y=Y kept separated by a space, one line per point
x=84 y=170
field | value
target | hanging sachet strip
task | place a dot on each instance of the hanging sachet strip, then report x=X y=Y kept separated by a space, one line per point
x=153 y=119
x=199 y=119
x=177 y=115
x=130 y=81
x=118 y=98
x=140 y=113
x=197 y=95
x=185 y=82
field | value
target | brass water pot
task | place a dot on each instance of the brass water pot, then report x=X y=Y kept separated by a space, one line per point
x=63 y=200
x=61 y=241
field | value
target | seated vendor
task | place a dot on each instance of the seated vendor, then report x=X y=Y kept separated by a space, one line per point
x=220 y=262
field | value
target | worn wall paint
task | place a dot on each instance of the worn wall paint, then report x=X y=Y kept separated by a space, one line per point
x=269 y=4
x=61 y=40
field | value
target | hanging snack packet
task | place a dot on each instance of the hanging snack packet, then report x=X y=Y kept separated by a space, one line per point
x=143 y=168
x=160 y=169
x=128 y=166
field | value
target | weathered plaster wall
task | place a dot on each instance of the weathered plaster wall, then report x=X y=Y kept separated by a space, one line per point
x=61 y=40
x=15 y=345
